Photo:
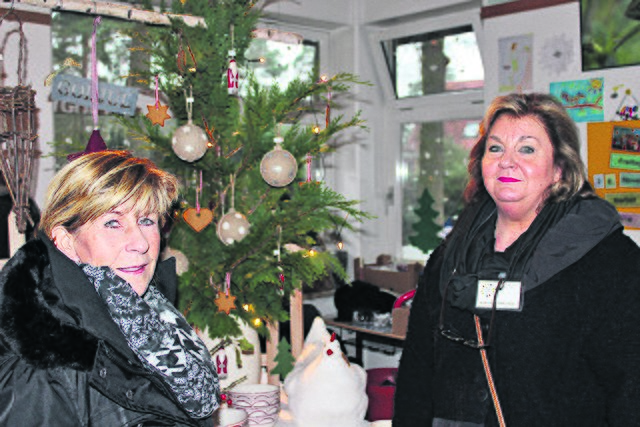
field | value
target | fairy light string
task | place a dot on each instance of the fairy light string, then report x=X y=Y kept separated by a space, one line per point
x=340 y=243
x=189 y=104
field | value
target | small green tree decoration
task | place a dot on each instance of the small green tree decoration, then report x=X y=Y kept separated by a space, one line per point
x=284 y=360
x=426 y=229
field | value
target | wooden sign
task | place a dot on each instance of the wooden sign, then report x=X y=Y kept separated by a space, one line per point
x=77 y=90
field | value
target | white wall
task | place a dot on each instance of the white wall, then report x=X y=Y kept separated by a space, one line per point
x=38 y=66
x=546 y=24
x=385 y=10
x=354 y=170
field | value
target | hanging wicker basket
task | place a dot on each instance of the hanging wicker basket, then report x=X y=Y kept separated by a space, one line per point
x=18 y=134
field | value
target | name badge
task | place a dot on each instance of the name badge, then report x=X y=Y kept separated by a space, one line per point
x=509 y=296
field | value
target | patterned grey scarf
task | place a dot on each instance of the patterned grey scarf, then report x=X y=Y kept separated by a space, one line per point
x=162 y=339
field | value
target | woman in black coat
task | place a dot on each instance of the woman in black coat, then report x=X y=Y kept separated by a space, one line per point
x=527 y=314
x=88 y=332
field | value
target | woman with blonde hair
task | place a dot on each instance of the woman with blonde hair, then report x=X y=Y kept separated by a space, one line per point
x=89 y=335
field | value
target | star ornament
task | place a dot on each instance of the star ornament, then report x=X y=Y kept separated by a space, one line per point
x=225 y=302
x=158 y=114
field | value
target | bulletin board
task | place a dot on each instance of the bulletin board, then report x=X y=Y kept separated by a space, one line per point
x=614 y=166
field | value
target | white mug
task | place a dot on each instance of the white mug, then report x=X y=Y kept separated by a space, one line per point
x=260 y=401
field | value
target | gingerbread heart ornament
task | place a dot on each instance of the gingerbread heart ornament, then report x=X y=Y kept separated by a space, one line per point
x=198 y=220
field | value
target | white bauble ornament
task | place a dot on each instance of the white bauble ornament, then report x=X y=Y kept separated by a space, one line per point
x=190 y=142
x=182 y=262
x=278 y=167
x=232 y=227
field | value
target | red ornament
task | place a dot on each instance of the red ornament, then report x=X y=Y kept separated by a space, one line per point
x=281 y=277
x=229 y=402
x=223 y=397
x=329 y=352
x=232 y=74
x=327 y=116
x=333 y=337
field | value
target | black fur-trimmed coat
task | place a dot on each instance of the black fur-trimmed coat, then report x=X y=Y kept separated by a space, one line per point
x=570 y=358
x=63 y=361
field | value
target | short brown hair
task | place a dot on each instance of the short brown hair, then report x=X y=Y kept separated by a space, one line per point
x=95 y=183
x=560 y=129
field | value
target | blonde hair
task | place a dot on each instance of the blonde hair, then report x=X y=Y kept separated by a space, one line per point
x=560 y=129
x=96 y=183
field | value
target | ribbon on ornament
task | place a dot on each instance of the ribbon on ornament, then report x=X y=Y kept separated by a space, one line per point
x=227 y=283
x=96 y=142
x=309 y=167
x=328 y=109
x=281 y=274
x=224 y=300
x=198 y=218
x=157 y=113
x=157 y=104
x=94 y=72
x=198 y=191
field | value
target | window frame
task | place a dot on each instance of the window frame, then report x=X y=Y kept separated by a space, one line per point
x=146 y=95
x=378 y=34
x=455 y=105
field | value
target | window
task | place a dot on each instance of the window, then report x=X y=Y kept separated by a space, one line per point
x=434 y=62
x=434 y=103
x=71 y=39
x=434 y=157
x=279 y=62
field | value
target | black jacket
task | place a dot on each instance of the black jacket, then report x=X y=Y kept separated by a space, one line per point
x=571 y=357
x=63 y=361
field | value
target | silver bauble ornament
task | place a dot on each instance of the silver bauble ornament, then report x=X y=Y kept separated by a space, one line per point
x=182 y=262
x=190 y=142
x=232 y=227
x=278 y=167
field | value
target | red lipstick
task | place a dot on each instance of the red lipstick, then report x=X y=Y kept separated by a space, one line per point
x=508 y=179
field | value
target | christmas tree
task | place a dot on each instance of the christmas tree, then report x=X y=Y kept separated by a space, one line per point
x=426 y=229
x=284 y=360
x=234 y=273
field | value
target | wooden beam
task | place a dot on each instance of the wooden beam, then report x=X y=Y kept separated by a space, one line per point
x=272 y=351
x=297 y=323
x=518 y=6
x=115 y=10
x=26 y=16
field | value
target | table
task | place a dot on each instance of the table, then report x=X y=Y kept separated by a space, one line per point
x=368 y=332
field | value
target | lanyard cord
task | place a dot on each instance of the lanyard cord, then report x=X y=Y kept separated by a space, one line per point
x=487 y=371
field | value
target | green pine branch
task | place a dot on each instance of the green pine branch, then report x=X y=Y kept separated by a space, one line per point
x=243 y=131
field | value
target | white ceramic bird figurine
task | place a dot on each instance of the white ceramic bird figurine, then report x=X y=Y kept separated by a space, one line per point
x=324 y=389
